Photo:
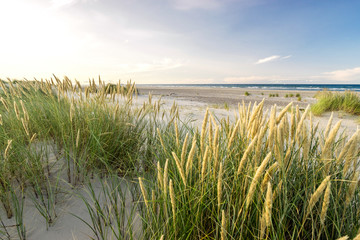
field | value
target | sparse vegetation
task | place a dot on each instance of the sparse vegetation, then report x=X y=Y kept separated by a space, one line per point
x=247 y=94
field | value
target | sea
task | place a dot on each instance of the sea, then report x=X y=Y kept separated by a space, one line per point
x=292 y=87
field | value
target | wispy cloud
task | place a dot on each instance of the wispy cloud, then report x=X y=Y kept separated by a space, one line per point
x=345 y=75
x=156 y=65
x=271 y=59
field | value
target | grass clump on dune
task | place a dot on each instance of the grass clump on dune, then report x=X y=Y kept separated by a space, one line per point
x=261 y=177
x=328 y=101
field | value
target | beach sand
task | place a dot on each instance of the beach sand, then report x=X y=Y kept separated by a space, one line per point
x=193 y=102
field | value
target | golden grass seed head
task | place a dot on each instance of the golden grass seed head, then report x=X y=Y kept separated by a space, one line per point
x=143 y=192
x=176 y=133
x=204 y=163
x=256 y=178
x=16 y=111
x=246 y=153
x=330 y=140
x=223 y=225
x=172 y=199
x=7 y=149
x=180 y=169
x=268 y=175
x=345 y=149
x=189 y=161
x=233 y=134
x=352 y=188
x=161 y=140
x=283 y=112
x=183 y=151
x=326 y=203
x=317 y=194
x=25 y=126
x=160 y=178
x=32 y=139
x=343 y=238
x=3 y=101
x=357 y=237
x=219 y=185
x=165 y=182
x=328 y=126
x=268 y=205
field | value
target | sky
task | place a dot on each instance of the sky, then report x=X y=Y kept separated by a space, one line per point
x=182 y=41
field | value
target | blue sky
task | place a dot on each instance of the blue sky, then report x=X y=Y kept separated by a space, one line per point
x=182 y=41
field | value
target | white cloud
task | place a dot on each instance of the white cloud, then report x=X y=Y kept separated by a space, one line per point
x=156 y=65
x=196 y=4
x=271 y=59
x=351 y=74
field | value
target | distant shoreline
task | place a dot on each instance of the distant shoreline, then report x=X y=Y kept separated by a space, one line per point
x=290 y=87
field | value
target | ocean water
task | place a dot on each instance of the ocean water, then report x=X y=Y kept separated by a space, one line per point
x=299 y=87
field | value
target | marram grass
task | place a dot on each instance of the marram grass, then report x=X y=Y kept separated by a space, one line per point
x=263 y=176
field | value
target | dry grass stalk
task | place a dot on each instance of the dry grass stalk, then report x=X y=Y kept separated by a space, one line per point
x=350 y=156
x=268 y=175
x=7 y=149
x=283 y=112
x=345 y=149
x=353 y=185
x=233 y=134
x=301 y=122
x=189 y=161
x=246 y=154
x=328 y=126
x=326 y=151
x=161 y=140
x=256 y=179
x=219 y=185
x=293 y=124
x=203 y=131
x=183 y=151
x=326 y=203
x=268 y=205
x=316 y=195
x=223 y=225
x=3 y=101
x=204 y=163
x=160 y=176
x=165 y=182
x=180 y=169
x=343 y=238
x=173 y=202
x=16 y=111
x=177 y=133
x=357 y=237
x=143 y=192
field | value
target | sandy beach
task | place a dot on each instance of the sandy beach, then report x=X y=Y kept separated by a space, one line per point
x=224 y=101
